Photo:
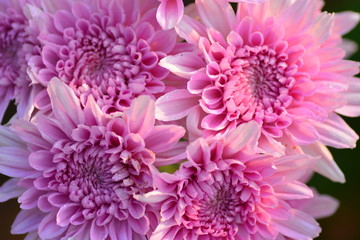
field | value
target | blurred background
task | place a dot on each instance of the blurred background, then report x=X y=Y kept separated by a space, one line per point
x=345 y=223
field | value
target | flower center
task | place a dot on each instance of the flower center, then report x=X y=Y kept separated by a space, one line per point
x=93 y=181
x=220 y=210
x=258 y=85
x=97 y=175
x=109 y=62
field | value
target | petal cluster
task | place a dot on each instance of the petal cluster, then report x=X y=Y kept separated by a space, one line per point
x=268 y=64
x=225 y=191
x=110 y=50
x=80 y=168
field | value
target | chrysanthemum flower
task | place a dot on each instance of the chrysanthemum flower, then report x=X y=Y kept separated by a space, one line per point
x=227 y=191
x=80 y=168
x=278 y=63
x=14 y=46
x=108 y=49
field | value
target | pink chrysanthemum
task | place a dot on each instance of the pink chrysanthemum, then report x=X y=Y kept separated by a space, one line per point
x=227 y=191
x=108 y=49
x=278 y=63
x=14 y=46
x=81 y=168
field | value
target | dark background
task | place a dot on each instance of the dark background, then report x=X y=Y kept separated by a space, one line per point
x=345 y=224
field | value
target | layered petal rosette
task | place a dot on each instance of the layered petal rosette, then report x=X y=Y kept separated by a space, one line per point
x=15 y=45
x=278 y=63
x=77 y=171
x=108 y=49
x=227 y=191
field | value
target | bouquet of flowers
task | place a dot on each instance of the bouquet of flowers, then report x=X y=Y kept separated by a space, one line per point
x=146 y=119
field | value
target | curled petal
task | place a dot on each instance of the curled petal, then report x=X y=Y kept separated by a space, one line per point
x=175 y=105
x=183 y=64
x=153 y=197
x=169 y=13
x=140 y=116
x=65 y=103
x=217 y=14
x=164 y=137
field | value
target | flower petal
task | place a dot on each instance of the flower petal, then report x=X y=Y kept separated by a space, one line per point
x=140 y=225
x=175 y=105
x=335 y=132
x=10 y=189
x=300 y=227
x=345 y=21
x=140 y=116
x=352 y=96
x=9 y=139
x=163 y=137
x=217 y=14
x=326 y=165
x=14 y=162
x=119 y=230
x=172 y=156
x=245 y=134
x=27 y=221
x=48 y=229
x=97 y=232
x=65 y=212
x=190 y=29
x=65 y=104
x=183 y=64
x=321 y=206
x=303 y=133
x=170 y=13
x=153 y=197
x=293 y=190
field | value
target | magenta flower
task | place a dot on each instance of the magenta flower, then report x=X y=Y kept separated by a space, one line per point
x=108 y=49
x=227 y=191
x=81 y=168
x=14 y=47
x=278 y=63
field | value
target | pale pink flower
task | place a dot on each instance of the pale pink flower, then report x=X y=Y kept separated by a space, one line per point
x=81 y=167
x=108 y=49
x=227 y=191
x=15 y=44
x=278 y=63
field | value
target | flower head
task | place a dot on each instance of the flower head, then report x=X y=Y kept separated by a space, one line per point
x=14 y=46
x=278 y=63
x=80 y=168
x=226 y=191
x=108 y=49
